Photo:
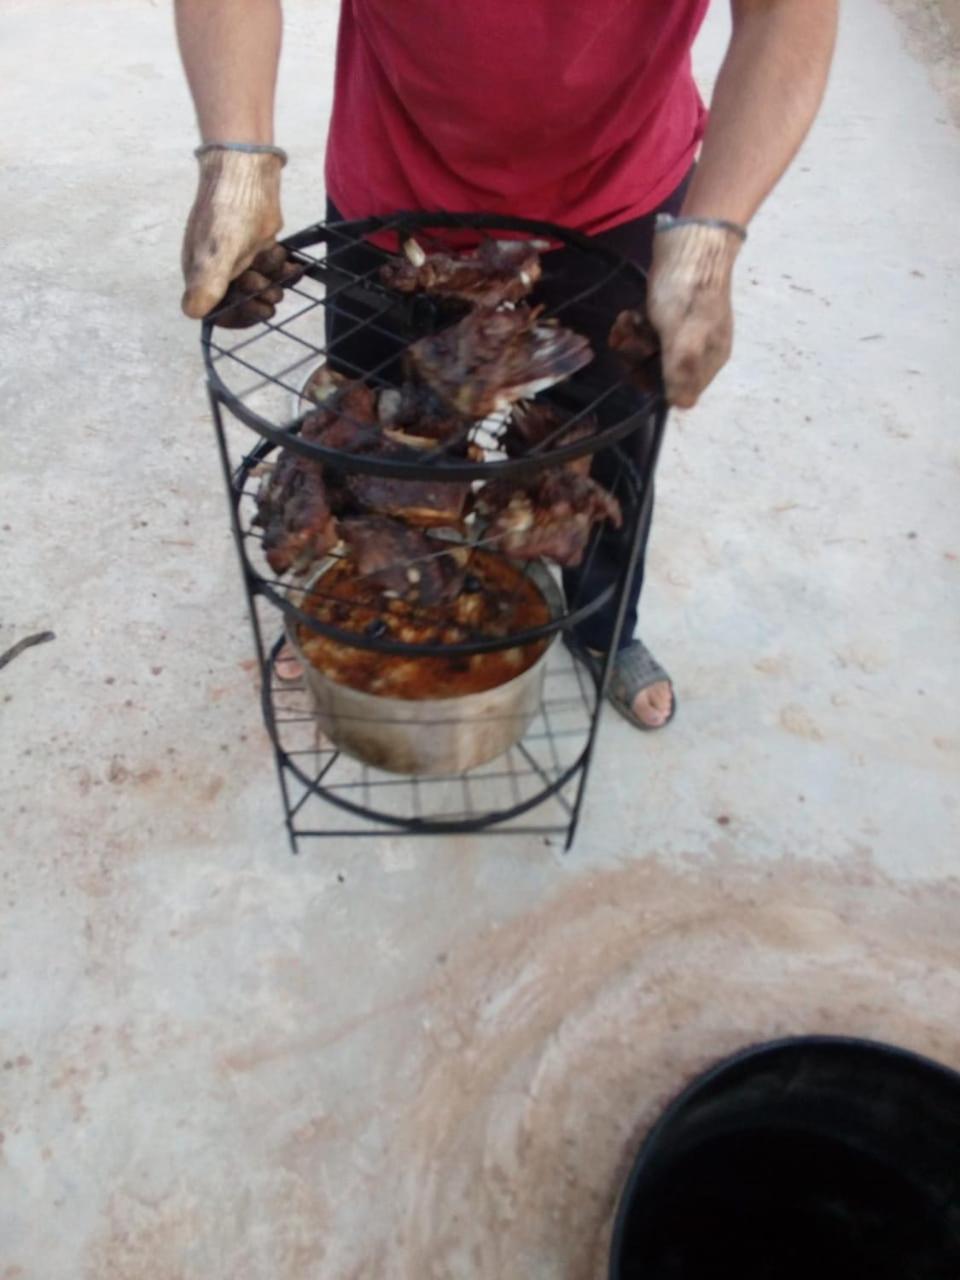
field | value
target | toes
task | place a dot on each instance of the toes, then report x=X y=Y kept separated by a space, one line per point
x=654 y=704
x=287 y=665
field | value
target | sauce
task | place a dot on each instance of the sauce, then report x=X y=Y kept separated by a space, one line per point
x=497 y=599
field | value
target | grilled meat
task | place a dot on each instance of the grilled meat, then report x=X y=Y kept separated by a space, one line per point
x=421 y=502
x=415 y=414
x=298 y=499
x=344 y=433
x=637 y=343
x=347 y=421
x=323 y=384
x=553 y=515
x=497 y=271
x=347 y=407
x=293 y=508
x=533 y=422
x=491 y=359
x=404 y=561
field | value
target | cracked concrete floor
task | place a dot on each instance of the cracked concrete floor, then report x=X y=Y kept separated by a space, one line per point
x=403 y=1059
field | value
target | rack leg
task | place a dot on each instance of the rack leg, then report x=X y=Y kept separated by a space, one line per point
x=626 y=575
x=249 y=591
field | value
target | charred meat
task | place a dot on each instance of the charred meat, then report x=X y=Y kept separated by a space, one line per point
x=347 y=414
x=635 y=340
x=323 y=384
x=415 y=414
x=551 y=516
x=421 y=502
x=535 y=425
x=498 y=271
x=491 y=359
x=348 y=422
x=404 y=561
x=293 y=510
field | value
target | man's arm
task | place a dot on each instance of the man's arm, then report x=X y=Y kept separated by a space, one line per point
x=230 y=51
x=766 y=98
x=767 y=95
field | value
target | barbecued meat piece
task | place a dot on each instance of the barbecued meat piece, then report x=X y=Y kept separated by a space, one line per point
x=414 y=414
x=422 y=502
x=324 y=384
x=346 y=407
x=491 y=359
x=347 y=417
x=551 y=516
x=347 y=421
x=293 y=509
x=347 y=434
x=533 y=422
x=497 y=271
x=637 y=343
x=404 y=561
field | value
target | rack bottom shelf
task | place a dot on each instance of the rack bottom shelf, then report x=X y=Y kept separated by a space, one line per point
x=533 y=789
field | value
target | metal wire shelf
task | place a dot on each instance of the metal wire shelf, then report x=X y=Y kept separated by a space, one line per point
x=581 y=603
x=340 y=303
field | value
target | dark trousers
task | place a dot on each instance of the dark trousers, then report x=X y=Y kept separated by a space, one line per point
x=634 y=240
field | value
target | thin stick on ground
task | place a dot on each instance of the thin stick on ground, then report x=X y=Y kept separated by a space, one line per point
x=39 y=637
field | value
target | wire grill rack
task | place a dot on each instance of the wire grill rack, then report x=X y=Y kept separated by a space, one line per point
x=339 y=313
x=286 y=595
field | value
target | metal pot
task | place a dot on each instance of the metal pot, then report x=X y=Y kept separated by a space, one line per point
x=430 y=736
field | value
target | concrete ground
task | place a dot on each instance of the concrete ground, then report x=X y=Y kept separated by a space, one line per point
x=405 y=1059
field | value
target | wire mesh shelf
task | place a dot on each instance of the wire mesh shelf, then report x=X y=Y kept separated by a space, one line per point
x=581 y=601
x=340 y=313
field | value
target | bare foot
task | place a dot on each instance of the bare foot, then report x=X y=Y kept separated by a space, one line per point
x=287 y=665
x=654 y=704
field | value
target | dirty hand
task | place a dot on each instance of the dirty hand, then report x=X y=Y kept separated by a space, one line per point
x=229 y=239
x=689 y=303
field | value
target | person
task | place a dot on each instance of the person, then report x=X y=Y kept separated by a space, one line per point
x=583 y=114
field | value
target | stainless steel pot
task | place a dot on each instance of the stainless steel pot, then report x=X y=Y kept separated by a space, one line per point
x=430 y=736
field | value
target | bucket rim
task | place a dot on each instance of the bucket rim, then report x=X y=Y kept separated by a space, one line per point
x=739 y=1057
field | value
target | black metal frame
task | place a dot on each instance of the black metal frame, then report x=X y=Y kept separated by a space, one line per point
x=541 y=771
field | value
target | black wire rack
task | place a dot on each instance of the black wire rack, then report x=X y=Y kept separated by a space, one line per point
x=339 y=313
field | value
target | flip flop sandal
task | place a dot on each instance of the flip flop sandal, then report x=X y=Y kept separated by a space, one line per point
x=634 y=669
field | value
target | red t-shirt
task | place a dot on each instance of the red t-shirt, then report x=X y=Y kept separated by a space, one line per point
x=582 y=112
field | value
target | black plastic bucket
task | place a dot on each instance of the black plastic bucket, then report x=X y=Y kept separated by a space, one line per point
x=811 y=1158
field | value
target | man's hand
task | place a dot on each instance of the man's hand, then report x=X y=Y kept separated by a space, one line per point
x=766 y=97
x=230 y=52
x=235 y=217
x=689 y=304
